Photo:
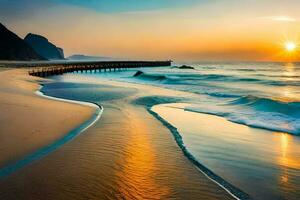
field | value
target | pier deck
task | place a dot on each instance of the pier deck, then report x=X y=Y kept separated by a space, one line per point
x=50 y=69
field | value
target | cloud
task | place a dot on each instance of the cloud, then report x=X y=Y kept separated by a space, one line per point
x=113 y=6
x=281 y=18
x=19 y=9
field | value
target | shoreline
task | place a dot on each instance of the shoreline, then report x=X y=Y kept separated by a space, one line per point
x=232 y=190
x=98 y=113
x=44 y=151
x=228 y=187
x=32 y=113
x=134 y=149
x=233 y=151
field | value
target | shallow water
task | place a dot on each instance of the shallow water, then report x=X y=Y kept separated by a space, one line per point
x=262 y=163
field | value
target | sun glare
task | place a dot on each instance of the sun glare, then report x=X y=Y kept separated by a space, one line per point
x=290 y=46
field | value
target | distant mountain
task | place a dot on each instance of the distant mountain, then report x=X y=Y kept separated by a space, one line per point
x=14 y=48
x=43 y=47
x=91 y=58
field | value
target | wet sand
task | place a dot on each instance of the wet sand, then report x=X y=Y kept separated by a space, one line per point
x=28 y=121
x=127 y=154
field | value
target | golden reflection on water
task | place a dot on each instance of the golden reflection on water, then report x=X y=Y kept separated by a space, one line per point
x=287 y=161
x=286 y=158
x=289 y=69
x=289 y=93
x=139 y=169
x=284 y=144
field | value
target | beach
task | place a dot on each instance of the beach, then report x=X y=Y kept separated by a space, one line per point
x=134 y=100
x=127 y=154
x=28 y=121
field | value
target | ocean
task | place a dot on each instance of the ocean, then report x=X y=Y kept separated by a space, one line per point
x=239 y=120
x=262 y=95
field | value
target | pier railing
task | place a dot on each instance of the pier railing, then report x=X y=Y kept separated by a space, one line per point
x=50 y=69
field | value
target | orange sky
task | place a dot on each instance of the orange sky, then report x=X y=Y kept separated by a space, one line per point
x=221 y=30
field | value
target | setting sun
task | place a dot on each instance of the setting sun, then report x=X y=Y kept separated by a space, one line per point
x=290 y=46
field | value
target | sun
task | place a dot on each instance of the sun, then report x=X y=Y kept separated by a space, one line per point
x=290 y=46
x=287 y=48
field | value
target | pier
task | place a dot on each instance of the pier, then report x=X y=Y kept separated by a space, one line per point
x=50 y=69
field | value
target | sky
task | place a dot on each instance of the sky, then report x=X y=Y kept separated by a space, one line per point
x=189 y=30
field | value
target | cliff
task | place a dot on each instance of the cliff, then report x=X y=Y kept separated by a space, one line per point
x=12 y=47
x=43 y=47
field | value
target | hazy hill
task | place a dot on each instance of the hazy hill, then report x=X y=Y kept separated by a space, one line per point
x=90 y=58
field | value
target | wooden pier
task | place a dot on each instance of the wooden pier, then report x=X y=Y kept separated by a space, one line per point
x=50 y=69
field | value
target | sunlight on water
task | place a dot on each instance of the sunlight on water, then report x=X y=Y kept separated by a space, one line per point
x=283 y=160
x=138 y=166
x=289 y=69
x=287 y=147
x=288 y=92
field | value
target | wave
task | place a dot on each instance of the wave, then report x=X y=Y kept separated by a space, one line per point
x=205 y=83
x=183 y=78
x=255 y=111
x=283 y=83
x=183 y=82
x=278 y=76
x=266 y=113
x=196 y=78
x=236 y=79
x=149 y=77
x=245 y=70
x=216 y=77
x=231 y=189
x=221 y=94
x=269 y=105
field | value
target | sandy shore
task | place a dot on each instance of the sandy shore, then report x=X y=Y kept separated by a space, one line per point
x=127 y=154
x=29 y=122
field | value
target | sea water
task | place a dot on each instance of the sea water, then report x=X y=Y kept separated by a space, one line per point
x=242 y=121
